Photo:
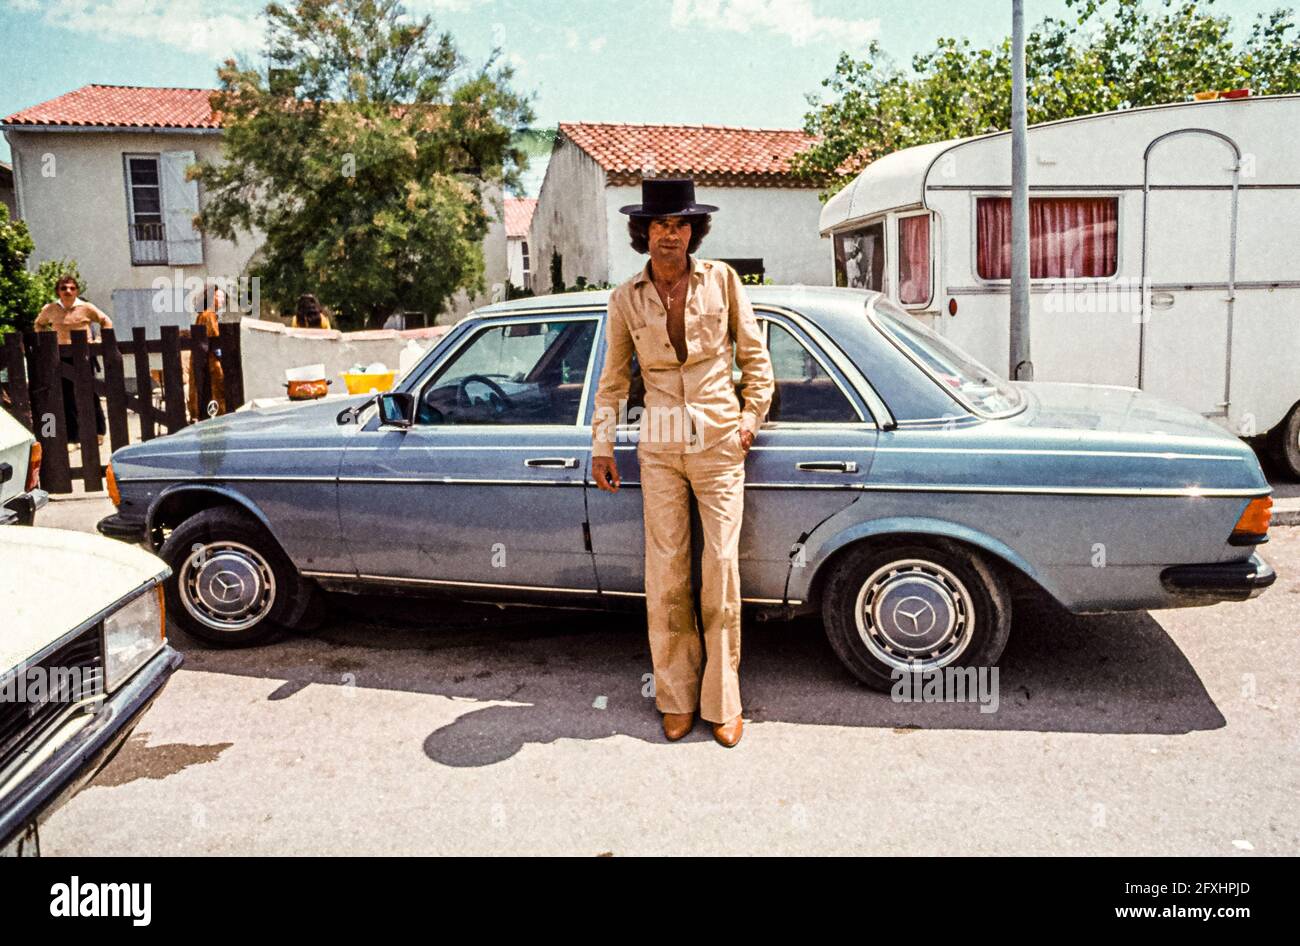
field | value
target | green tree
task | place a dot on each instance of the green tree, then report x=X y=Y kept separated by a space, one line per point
x=15 y=281
x=1113 y=54
x=23 y=292
x=361 y=153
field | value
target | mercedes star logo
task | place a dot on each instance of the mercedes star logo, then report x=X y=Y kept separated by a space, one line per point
x=226 y=587
x=914 y=616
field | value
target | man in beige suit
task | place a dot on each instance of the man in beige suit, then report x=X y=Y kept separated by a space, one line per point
x=681 y=317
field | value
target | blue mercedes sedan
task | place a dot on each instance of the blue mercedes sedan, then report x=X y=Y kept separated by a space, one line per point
x=898 y=488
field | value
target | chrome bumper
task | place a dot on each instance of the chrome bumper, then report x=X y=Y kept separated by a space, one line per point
x=21 y=510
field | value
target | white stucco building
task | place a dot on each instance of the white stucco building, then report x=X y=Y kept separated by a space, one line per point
x=99 y=177
x=519 y=217
x=766 y=224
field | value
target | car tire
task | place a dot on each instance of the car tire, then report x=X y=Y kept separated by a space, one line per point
x=963 y=617
x=1286 y=443
x=231 y=584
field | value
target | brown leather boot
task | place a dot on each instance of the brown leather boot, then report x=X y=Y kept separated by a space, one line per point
x=677 y=725
x=728 y=733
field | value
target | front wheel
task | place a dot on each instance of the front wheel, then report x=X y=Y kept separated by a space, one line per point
x=231 y=585
x=1286 y=443
x=914 y=608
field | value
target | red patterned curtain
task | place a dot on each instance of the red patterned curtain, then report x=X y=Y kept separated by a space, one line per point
x=914 y=259
x=1069 y=237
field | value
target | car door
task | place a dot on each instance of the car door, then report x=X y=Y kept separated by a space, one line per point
x=485 y=488
x=809 y=461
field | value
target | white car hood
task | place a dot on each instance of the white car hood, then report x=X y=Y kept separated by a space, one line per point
x=52 y=580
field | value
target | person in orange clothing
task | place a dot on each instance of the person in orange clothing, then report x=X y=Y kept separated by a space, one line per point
x=67 y=314
x=681 y=316
x=209 y=318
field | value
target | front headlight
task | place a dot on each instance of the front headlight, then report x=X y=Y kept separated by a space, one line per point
x=132 y=635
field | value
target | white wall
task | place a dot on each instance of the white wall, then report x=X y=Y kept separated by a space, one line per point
x=268 y=348
x=570 y=217
x=775 y=224
x=72 y=192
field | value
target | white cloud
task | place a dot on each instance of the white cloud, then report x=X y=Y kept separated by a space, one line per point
x=597 y=44
x=203 y=28
x=420 y=7
x=571 y=39
x=794 y=19
x=188 y=25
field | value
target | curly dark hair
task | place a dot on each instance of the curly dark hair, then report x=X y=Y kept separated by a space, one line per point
x=638 y=228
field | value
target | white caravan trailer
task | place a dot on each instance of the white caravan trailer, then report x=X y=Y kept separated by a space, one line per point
x=1165 y=252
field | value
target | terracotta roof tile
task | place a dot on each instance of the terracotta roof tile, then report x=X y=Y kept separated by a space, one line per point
x=519 y=215
x=712 y=154
x=120 y=106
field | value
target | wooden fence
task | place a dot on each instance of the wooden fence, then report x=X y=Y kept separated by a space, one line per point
x=37 y=365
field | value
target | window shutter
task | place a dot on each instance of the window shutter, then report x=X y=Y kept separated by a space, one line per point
x=180 y=200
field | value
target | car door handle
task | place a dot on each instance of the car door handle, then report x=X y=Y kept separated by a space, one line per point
x=827 y=466
x=562 y=463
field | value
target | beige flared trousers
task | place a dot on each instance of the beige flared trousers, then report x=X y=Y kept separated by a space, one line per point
x=685 y=677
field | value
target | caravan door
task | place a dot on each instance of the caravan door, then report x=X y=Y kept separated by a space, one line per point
x=1188 y=269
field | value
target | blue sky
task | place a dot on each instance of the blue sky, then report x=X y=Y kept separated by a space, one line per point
x=731 y=62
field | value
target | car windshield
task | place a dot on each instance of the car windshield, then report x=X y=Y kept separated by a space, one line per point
x=972 y=383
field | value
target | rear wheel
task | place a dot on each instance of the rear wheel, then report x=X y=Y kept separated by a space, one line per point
x=231 y=584
x=1286 y=443
x=914 y=607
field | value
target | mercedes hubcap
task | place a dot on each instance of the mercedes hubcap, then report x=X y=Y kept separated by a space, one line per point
x=226 y=586
x=914 y=615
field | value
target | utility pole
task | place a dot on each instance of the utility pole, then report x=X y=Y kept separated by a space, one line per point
x=1022 y=365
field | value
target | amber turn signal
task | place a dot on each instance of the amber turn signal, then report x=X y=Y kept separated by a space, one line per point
x=113 y=494
x=34 y=467
x=1252 y=527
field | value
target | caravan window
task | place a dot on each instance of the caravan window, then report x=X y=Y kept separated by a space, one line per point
x=1069 y=237
x=914 y=259
x=860 y=257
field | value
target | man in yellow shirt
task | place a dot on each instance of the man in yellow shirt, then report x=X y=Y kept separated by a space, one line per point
x=66 y=315
x=681 y=317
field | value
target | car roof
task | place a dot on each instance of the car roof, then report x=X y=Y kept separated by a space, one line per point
x=830 y=307
x=838 y=312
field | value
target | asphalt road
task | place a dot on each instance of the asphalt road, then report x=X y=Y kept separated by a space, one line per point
x=408 y=728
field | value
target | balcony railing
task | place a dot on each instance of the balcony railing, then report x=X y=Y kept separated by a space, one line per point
x=148 y=244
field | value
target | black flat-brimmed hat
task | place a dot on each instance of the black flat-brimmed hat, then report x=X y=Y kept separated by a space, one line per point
x=667 y=197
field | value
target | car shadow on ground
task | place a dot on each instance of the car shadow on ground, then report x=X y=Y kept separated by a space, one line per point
x=554 y=674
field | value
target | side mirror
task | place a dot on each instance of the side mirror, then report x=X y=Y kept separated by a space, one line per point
x=396 y=409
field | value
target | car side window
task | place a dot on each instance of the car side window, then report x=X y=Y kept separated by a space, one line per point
x=513 y=373
x=805 y=392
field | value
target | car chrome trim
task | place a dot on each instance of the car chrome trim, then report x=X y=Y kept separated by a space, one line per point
x=344 y=576
x=457 y=481
x=1130 y=491
x=184 y=478
x=1135 y=454
x=641 y=594
x=396 y=579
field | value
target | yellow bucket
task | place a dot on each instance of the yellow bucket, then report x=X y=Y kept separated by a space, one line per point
x=366 y=383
